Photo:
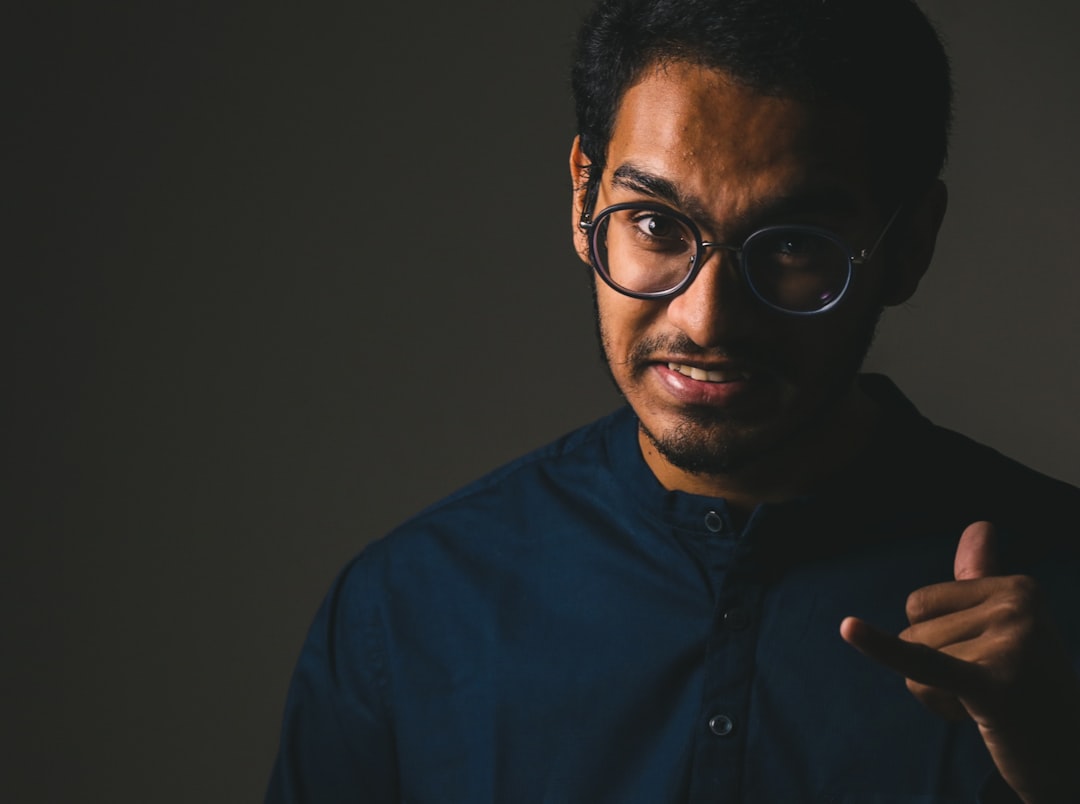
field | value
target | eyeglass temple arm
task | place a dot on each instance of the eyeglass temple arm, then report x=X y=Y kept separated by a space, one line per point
x=866 y=254
x=592 y=190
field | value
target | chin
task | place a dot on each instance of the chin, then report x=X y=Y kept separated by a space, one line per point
x=710 y=445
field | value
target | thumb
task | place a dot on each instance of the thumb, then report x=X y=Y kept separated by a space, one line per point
x=976 y=554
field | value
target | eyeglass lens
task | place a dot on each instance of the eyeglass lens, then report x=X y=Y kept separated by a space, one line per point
x=792 y=268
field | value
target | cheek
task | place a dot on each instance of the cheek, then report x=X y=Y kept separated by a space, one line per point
x=622 y=320
x=840 y=346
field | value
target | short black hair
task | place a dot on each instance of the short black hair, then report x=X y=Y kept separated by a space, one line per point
x=882 y=58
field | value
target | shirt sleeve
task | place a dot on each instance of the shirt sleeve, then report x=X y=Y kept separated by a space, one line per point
x=337 y=742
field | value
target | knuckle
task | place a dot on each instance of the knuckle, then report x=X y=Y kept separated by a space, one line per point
x=1017 y=599
x=1023 y=586
x=916 y=606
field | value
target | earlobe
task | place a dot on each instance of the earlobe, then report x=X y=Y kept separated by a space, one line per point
x=579 y=180
x=916 y=239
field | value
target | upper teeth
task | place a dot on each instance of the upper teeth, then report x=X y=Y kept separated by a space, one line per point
x=695 y=373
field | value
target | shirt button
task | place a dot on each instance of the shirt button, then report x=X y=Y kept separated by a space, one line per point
x=721 y=725
x=714 y=522
x=736 y=618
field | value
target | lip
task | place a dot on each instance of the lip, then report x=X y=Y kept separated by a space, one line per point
x=724 y=373
x=721 y=385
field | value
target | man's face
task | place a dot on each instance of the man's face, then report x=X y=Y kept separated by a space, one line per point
x=717 y=379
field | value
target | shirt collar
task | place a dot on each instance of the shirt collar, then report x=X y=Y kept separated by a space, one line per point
x=862 y=503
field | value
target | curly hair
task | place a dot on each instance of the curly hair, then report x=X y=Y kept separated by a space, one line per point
x=882 y=58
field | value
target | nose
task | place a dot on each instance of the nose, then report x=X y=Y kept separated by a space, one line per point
x=716 y=307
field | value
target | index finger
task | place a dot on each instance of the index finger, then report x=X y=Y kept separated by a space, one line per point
x=912 y=660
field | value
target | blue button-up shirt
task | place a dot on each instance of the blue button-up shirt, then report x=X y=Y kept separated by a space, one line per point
x=567 y=631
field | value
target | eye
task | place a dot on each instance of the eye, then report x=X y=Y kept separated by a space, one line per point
x=658 y=226
x=794 y=248
x=646 y=230
x=655 y=231
x=795 y=244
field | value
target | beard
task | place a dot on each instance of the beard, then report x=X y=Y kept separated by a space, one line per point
x=707 y=441
x=700 y=444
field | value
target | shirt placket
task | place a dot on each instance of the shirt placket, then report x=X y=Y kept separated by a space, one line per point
x=721 y=730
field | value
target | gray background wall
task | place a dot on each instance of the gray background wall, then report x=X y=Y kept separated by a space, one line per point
x=279 y=276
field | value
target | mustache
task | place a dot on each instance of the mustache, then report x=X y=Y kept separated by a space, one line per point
x=752 y=356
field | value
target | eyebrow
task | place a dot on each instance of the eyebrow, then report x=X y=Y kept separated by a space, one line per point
x=819 y=198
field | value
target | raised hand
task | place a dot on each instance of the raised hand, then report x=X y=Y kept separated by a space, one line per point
x=982 y=647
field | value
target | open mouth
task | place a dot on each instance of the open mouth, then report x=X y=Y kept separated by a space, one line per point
x=703 y=375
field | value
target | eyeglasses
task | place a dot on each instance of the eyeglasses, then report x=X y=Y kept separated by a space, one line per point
x=650 y=251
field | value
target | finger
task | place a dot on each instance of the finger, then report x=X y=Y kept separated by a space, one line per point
x=946 y=630
x=912 y=660
x=942 y=599
x=976 y=554
x=941 y=703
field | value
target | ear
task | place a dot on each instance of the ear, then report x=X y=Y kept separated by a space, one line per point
x=579 y=179
x=915 y=241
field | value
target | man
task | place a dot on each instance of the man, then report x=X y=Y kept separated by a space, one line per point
x=717 y=593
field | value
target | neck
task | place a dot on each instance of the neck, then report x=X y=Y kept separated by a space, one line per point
x=796 y=468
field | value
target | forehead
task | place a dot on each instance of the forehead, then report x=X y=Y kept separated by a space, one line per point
x=730 y=147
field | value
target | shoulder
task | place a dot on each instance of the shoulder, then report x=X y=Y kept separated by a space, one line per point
x=1031 y=510
x=975 y=468
x=515 y=506
x=941 y=470
x=582 y=451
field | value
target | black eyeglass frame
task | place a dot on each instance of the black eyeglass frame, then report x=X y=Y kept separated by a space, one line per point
x=591 y=226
